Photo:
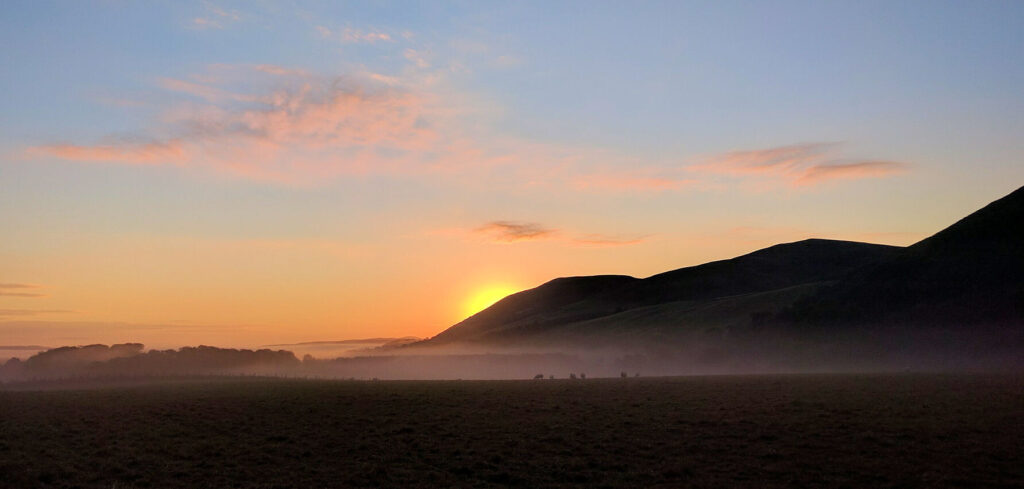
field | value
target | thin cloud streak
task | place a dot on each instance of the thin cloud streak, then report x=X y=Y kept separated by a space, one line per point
x=514 y=232
x=349 y=35
x=31 y=312
x=216 y=18
x=798 y=165
x=130 y=153
x=511 y=232
x=14 y=290
x=205 y=92
x=782 y=159
x=849 y=171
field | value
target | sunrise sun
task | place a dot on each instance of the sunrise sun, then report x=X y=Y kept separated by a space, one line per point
x=484 y=297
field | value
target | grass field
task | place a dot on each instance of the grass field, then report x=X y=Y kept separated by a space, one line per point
x=772 y=431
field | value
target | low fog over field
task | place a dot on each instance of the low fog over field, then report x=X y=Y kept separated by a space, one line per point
x=953 y=301
x=938 y=351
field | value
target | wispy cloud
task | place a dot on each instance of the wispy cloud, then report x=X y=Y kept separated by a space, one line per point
x=417 y=57
x=515 y=232
x=290 y=126
x=199 y=90
x=30 y=312
x=349 y=35
x=19 y=290
x=18 y=286
x=127 y=152
x=215 y=18
x=849 y=171
x=304 y=128
x=778 y=160
x=798 y=165
x=510 y=231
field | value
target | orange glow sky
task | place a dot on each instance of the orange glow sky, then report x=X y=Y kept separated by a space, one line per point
x=239 y=175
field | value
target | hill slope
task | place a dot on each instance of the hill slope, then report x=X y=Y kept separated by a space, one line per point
x=562 y=302
x=532 y=306
x=969 y=273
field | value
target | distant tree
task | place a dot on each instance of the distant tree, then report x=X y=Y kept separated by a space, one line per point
x=572 y=376
x=538 y=376
x=552 y=377
x=623 y=374
x=583 y=375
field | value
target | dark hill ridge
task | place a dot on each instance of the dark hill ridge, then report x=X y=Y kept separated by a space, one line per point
x=530 y=306
x=775 y=267
x=969 y=273
x=573 y=299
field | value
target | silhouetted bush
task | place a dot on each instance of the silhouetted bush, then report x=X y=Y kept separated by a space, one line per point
x=129 y=360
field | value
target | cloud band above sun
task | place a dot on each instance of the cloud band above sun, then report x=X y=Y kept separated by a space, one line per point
x=515 y=232
x=290 y=126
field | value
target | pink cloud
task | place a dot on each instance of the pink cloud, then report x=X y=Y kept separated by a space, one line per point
x=152 y=153
x=770 y=160
x=216 y=18
x=798 y=165
x=849 y=171
x=515 y=232
x=285 y=125
x=351 y=35
x=417 y=57
x=205 y=23
x=209 y=93
x=306 y=129
x=280 y=70
x=289 y=126
x=510 y=232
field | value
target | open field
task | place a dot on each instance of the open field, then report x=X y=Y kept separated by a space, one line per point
x=905 y=430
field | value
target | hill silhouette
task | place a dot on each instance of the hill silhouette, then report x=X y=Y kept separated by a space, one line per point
x=967 y=274
x=565 y=301
x=535 y=308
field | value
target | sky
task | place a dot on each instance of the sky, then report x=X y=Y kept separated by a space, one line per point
x=248 y=173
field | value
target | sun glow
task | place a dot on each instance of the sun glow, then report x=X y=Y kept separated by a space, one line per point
x=485 y=297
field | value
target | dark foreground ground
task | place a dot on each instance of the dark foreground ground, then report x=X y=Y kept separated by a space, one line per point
x=772 y=431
